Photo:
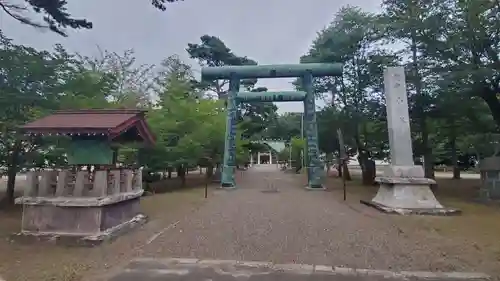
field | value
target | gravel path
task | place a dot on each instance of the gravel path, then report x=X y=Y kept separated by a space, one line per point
x=313 y=227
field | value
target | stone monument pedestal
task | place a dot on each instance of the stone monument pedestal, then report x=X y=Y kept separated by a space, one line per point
x=404 y=190
x=490 y=179
x=317 y=174
x=83 y=208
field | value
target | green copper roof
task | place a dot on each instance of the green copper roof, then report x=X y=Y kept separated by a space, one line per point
x=277 y=146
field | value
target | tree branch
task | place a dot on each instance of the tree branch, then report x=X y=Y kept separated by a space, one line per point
x=7 y=9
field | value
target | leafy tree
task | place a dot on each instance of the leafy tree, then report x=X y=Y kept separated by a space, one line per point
x=213 y=52
x=133 y=84
x=409 y=22
x=189 y=128
x=352 y=39
x=23 y=70
x=283 y=127
x=30 y=83
x=466 y=49
x=254 y=117
x=297 y=145
x=33 y=84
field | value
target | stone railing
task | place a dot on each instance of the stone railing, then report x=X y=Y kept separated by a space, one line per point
x=66 y=183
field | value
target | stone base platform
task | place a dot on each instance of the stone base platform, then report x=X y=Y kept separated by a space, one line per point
x=91 y=240
x=270 y=190
x=408 y=211
x=404 y=190
x=322 y=188
x=79 y=221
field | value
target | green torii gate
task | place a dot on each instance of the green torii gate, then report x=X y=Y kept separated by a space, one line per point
x=306 y=72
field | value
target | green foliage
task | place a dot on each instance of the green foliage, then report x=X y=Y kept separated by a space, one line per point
x=253 y=118
x=297 y=145
x=450 y=50
x=283 y=127
x=284 y=155
x=213 y=52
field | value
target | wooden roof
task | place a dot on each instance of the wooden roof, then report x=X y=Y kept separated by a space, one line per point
x=112 y=123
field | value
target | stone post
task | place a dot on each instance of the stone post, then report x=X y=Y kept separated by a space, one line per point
x=403 y=187
x=313 y=166
x=100 y=188
x=46 y=185
x=62 y=182
x=228 y=168
x=79 y=189
x=128 y=185
x=115 y=188
x=138 y=180
x=32 y=182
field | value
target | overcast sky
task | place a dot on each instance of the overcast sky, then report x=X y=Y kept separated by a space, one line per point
x=268 y=31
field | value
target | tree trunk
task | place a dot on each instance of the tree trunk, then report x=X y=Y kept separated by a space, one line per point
x=210 y=170
x=329 y=160
x=343 y=168
x=367 y=167
x=217 y=175
x=490 y=98
x=428 y=157
x=454 y=156
x=421 y=105
x=181 y=173
x=365 y=163
x=345 y=173
x=339 y=167
x=13 y=165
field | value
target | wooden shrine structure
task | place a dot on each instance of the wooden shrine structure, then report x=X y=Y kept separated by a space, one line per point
x=88 y=204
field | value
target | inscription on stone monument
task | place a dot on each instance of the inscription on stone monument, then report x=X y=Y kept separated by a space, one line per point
x=398 y=117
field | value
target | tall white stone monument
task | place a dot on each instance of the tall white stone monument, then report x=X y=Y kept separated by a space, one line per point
x=403 y=187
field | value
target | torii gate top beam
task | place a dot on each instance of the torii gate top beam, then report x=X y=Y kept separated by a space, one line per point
x=271 y=71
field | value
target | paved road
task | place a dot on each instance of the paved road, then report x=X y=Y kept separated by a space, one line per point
x=224 y=270
x=272 y=218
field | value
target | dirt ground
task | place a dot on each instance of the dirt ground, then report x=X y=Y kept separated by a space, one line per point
x=299 y=226
x=281 y=227
x=44 y=262
x=478 y=226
